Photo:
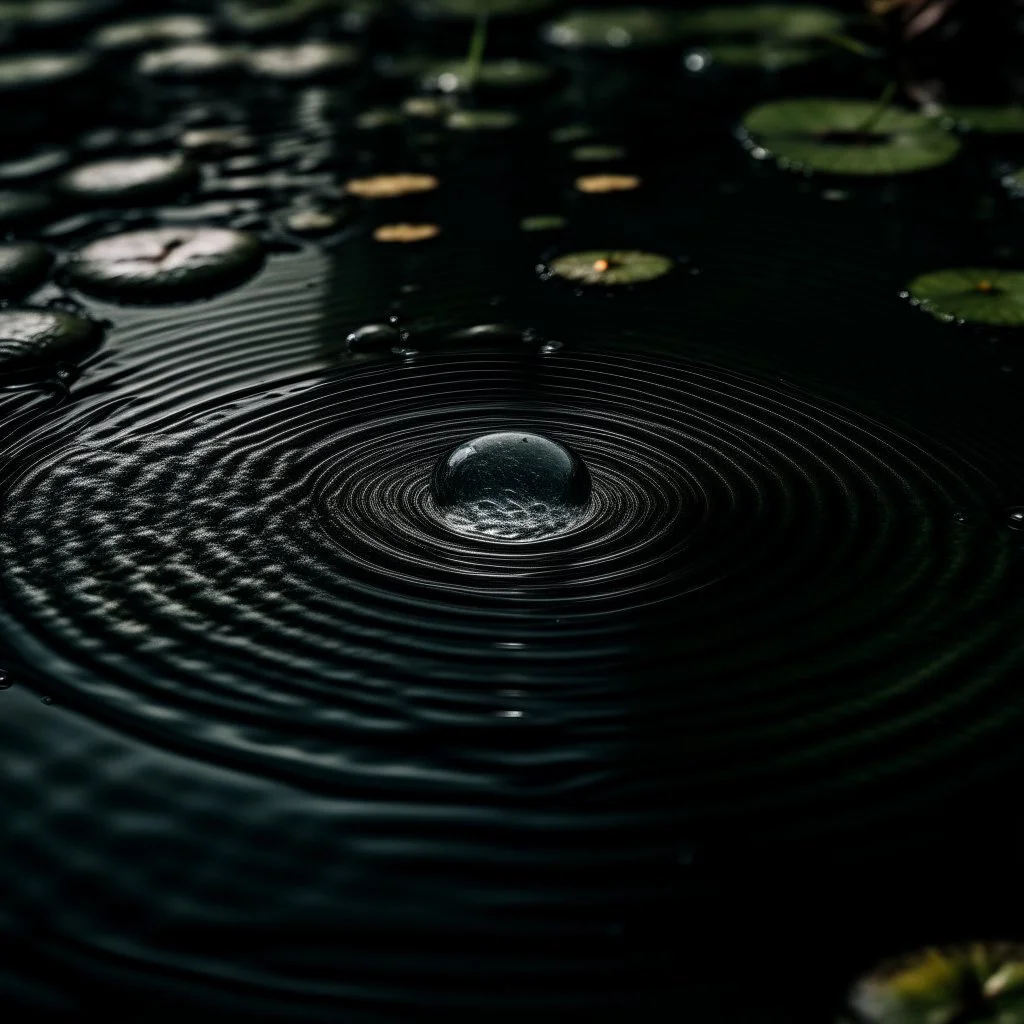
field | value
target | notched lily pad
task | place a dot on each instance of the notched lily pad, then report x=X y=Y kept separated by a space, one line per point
x=609 y=268
x=847 y=137
x=981 y=981
x=973 y=295
x=165 y=264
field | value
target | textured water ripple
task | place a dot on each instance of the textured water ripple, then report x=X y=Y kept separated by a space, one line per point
x=268 y=582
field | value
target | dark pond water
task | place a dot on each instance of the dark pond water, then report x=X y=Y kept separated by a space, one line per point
x=306 y=718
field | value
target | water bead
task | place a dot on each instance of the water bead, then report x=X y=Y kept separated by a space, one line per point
x=511 y=486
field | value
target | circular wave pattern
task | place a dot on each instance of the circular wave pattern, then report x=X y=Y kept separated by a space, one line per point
x=268 y=583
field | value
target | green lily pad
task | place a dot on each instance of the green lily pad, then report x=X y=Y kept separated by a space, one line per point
x=617 y=28
x=609 y=267
x=977 y=981
x=846 y=137
x=763 y=20
x=986 y=120
x=481 y=120
x=511 y=75
x=769 y=55
x=974 y=295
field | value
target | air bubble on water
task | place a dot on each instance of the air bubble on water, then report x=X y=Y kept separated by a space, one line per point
x=372 y=336
x=405 y=351
x=5 y=680
x=46 y=700
x=1015 y=517
x=962 y=518
x=511 y=485
x=549 y=348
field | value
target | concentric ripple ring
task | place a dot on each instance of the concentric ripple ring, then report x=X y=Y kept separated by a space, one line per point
x=310 y=615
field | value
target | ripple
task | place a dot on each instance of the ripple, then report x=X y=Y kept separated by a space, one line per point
x=262 y=582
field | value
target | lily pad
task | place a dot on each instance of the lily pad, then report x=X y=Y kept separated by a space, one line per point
x=848 y=137
x=769 y=55
x=762 y=20
x=140 y=33
x=27 y=71
x=129 y=179
x=977 y=981
x=1007 y=120
x=481 y=120
x=165 y=264
x=303 y=62
x=191 y=61
x=616 y=28
x=974 y=295
x=609 y=268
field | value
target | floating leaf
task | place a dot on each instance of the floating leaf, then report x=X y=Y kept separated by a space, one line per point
x=481 y=120
x=987 y=120
x=616 y=28
x=763 y=20
x=453 y=76
x=610 y=267
x=975 y=295
x=769 y=55
x=849 y=136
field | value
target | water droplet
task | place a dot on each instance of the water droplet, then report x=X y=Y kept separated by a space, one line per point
x=549 y=348
x=5 y=679
x=511 y=486
x=1015 y=517
x=962 y=518
x=405 y=351
x=372 y=336
x=46 y=700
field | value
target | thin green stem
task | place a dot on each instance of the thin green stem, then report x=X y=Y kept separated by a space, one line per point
x=883 y=104
x=477 y=45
